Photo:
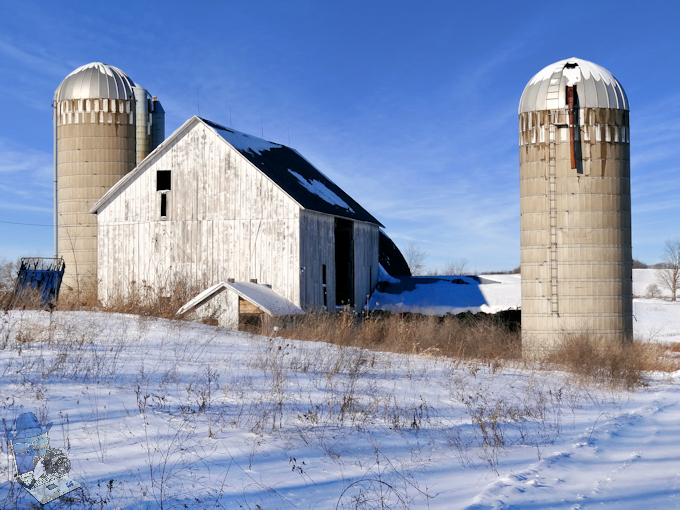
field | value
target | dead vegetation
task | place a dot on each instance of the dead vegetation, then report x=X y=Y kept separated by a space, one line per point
x=142 y=299
x=606 y=362
x=321 y=394
x=463 y=336
x=483 y=338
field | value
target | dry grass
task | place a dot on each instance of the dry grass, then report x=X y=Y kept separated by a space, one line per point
x=594 y=360
x=139 y=299
x=464 y=337
x=467 y=337
x=485 y=338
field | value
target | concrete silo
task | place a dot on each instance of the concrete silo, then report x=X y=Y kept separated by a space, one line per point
x=103 y=127
x=576 y=253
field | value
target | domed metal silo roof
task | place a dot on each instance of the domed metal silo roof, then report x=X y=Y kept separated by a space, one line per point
x=95 y=80
x=595 y=87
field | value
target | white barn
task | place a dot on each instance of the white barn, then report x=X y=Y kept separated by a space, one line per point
x=211 y=204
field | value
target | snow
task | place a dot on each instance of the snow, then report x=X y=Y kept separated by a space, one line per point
x=656 y=320
x=258 y=294
x=439 y=295
x=151 y=411
x=245 y=143
x=265 y=298
x=320 y=189
x=643 y=278
x=383 y=276
x=587 y=68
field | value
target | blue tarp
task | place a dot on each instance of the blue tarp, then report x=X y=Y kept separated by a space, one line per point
x=41 y=274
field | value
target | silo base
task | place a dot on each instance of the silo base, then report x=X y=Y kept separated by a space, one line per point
x=541 y=345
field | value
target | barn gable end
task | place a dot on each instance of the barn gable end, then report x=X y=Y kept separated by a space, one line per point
x=224 y=219
x=211 y=204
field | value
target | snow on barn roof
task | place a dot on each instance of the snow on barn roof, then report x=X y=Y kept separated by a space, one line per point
x=294 y=174
x=439 y=295
x=258 y=294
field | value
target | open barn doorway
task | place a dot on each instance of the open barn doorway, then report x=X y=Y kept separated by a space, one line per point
x=344 y=262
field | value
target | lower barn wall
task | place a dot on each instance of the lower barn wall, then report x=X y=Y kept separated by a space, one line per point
x=366 y=248
x=318 y=248
x=199 y=253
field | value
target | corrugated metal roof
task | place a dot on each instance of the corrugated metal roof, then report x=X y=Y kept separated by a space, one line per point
x=295 y=175
x=95 y=80
x=595 y=87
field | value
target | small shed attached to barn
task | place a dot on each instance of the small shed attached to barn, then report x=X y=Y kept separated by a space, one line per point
x=238 y=305
x=211 y=204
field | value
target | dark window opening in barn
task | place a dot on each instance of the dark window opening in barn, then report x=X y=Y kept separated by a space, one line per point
x=163 y=180
x=323 y=284
x=344 y=262
x=164 y=205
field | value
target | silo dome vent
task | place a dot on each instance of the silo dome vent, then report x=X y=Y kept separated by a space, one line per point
x=95 y=80
x=595 y=87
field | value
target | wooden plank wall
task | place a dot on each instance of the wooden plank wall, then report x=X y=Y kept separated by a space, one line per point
x=317 y=230
x=225 y=219
x=366 y=239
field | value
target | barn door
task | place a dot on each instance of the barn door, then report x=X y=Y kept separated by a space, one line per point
x=344 y=262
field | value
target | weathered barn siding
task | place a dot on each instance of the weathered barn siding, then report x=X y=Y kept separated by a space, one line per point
x=225 y=219
x=224 y=308
x=366 y=241
x=319 y=231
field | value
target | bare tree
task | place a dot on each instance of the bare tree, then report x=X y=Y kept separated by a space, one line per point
x=668 y=276
x=8 y=274
x=415 y=256
x=456 y=267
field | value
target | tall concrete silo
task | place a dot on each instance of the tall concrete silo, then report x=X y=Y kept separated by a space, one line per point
x=102 y=129
x=576 y=256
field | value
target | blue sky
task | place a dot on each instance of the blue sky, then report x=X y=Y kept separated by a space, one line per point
x=410 y=107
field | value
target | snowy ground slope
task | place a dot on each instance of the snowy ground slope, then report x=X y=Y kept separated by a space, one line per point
x=155 y=411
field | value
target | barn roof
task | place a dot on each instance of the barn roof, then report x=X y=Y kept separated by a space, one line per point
x=294 y=174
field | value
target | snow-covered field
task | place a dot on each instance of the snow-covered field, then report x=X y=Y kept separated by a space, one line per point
x=155 y=413
x=491 y=294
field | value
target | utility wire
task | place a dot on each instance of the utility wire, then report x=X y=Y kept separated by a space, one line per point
x=31 y=224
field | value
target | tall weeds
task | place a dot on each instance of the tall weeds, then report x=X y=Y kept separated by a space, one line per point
x=466 y=337
x=608 y=362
